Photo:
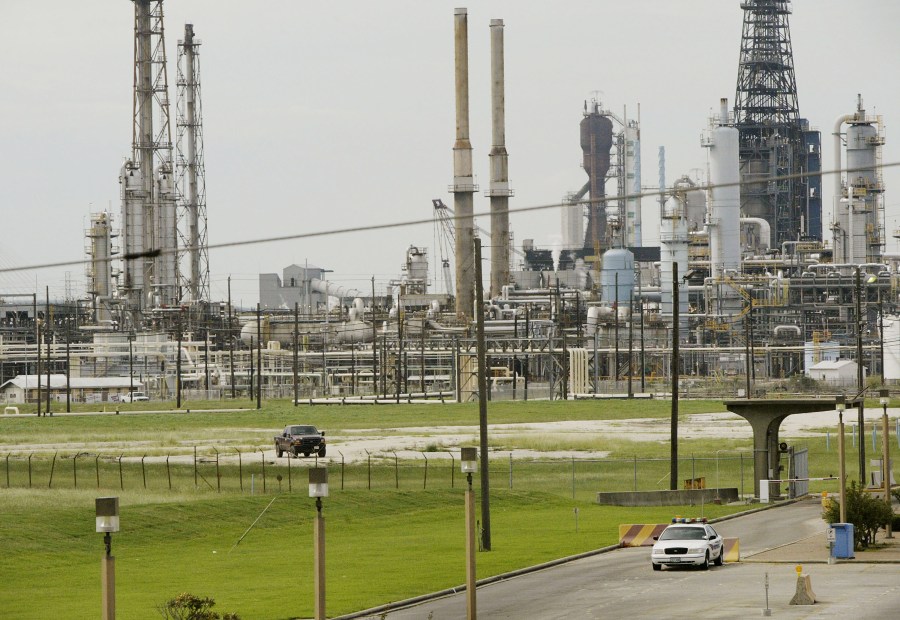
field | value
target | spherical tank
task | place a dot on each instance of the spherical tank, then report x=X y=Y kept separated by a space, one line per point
x=617 y=262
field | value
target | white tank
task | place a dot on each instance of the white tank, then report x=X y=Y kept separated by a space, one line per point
x=673 y=239
x=725 y=206
x=617 y=263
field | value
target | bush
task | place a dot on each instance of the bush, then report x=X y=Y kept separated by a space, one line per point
x=189 y=607
x=867 y=514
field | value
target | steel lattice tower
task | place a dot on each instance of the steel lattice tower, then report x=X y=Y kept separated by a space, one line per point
x=147 y=179
x=771 y=131
x=190 y=184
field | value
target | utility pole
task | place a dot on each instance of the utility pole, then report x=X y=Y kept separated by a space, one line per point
x=374 y=344
x=860 y=380
x=231 y=340
x=296 y=326
x=482 y=403
x=259 y=372
x=48 y=335
x=673 y=439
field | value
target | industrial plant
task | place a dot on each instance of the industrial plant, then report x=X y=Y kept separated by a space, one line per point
x=750 y=288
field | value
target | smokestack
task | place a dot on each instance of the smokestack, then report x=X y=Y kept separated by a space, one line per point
x=499 y=191
x=463 y=184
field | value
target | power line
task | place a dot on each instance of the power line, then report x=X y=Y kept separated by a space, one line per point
x=417 y=222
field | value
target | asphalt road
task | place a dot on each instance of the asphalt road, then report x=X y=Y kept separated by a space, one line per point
x=621 y=584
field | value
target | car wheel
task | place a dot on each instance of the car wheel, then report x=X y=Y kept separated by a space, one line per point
x=322 y=451
x=279 y=452
x=705 y=565
x=720 y=560
x=306 y=454
x=657 y=566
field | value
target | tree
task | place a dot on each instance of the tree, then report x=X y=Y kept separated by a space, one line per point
x=867 y=514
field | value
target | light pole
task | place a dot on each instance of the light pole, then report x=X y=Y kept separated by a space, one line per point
x=469 y=464
x=107 y=509
x=318 y=488
x=884 y=399
x=840 y=403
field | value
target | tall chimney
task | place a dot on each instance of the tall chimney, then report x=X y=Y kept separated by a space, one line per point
x=463 y=183
x=499 y=191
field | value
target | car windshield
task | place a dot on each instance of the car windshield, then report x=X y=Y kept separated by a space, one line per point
x=684 y=533
x=304 y=430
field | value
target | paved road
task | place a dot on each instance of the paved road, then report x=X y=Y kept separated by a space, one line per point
x=621 y=584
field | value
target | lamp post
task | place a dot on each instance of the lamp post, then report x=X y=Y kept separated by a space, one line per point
x=107 y=509
x=469 y=464
x=884 y=399
x=840 y=403
x=318 y=488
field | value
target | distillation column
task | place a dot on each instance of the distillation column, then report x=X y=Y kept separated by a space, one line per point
x=148 y=188
x=191 y=182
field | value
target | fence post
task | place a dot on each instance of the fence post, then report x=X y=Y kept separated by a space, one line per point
x=29 y=470
x=121 y=478
x=369 y=459
x=452 y=469
x=168 y=472
x=693 y=467
x=635 y=473
x=52 y=469
x=218 y=476
x=510 y=471
x=262 y=455
x=425 y=480
x=573 y=477
x=7 y=470
x=240 y=469
x=97 y=469
x=75 y=470
x=144 y=471
x=195 y=464
x=396 y=472
x=342 y=469
x=290 y=484
x=742 y=475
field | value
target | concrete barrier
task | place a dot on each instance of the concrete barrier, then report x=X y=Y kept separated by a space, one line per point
x=732 y=549
x=639 y=535
x=683 y=497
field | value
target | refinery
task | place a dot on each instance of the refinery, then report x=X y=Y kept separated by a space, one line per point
x=751 y=284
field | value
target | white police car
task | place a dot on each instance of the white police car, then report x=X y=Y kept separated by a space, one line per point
x=688 y=542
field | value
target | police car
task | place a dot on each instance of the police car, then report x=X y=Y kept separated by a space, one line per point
x=688 y=542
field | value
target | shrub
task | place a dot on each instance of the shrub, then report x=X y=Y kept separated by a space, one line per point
x=867 y=514
x=189 y=607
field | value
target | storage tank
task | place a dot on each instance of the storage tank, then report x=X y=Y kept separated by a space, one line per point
x=695 y=202
x=617 y=266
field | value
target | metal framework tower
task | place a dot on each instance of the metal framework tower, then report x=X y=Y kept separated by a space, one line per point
x=190 y=184
x=147 y=181
x=767 y=118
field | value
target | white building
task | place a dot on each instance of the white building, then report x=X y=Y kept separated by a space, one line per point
x=24 y=389
x=837 y=372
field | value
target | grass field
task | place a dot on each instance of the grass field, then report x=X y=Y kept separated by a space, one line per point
x=384 y=543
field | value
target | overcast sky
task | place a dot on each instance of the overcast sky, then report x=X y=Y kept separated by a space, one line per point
x=323 y=115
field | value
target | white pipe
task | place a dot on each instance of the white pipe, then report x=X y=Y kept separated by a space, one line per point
x=765 y=231
x=333 y=290
x=837 y=174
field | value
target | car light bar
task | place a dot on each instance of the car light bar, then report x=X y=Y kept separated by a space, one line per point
x=688 y=520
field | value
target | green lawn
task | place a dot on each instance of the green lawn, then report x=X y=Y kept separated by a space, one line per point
x=381 y=546
x=384 y=543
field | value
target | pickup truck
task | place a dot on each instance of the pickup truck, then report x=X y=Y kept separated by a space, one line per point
x=298 y=439
x=134 y=397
